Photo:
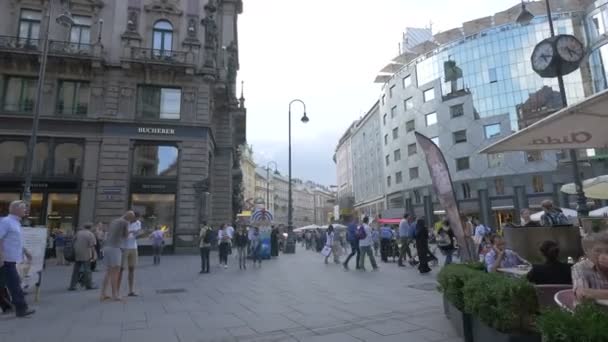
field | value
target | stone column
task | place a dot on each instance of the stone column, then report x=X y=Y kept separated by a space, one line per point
x=113 y=182
x=221 y=186
x=89 y=181
x=485 y=207
x=428 y=210
x=409 y=206
x=520 y=199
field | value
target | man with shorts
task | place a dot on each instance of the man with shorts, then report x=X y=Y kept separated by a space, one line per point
x=129 y=253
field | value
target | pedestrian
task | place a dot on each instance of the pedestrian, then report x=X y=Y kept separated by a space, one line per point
x=84 y=254
x=12 y=253
x=256 y=246
x=240 y=241
x=130 y=255
x=224 y=239
x=158 y=242
x=386 y=235
x=364 y=233
x=445 y=241
x=100 y=234
x=59 y=244
x=332 y=244
x=422 y=246
x=117 y=234
x=407 y=227
x=481 y=235
x=376 y=240
x=274 y=242
x=351 y=236
x=553 y=215
x=526 y=220
x=205 y=237
x=5 y=298
x=308 y=239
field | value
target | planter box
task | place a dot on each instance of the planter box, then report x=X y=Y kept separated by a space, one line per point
x=461 y=322
x=482 y=333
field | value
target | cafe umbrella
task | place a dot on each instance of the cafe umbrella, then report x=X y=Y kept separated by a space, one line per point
x=596 y=188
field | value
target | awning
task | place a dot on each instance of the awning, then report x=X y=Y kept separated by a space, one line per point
x=582 y=125
x=389 y=221
x=596 y=188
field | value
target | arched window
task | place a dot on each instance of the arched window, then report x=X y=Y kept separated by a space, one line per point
x=163 y=37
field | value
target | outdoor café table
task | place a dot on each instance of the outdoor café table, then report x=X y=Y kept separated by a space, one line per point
x=515 y=271
x=602 y=302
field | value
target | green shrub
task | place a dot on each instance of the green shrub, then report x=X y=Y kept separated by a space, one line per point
x=504 y=303
x=589 y=323
x=452 y=278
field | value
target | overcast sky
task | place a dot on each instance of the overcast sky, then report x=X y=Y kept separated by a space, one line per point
x=327 y=53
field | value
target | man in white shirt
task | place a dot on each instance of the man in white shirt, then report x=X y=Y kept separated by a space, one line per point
x=129 y=253
x=11 y=254
x=365 y=246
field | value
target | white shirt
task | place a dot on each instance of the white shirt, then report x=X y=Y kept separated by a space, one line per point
x=368 y=241
x=131 y=241
x=230 y=231
x=330 y=239
x=481 y=230
x=10 y=234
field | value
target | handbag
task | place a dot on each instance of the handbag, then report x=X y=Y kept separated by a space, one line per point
x=326 y=251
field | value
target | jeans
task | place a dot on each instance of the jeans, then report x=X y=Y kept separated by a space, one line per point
x=405 y=250
x=13 y=283
x=205 y=259
x=354 y=249
x=85 y=268
x=385 y=245
x=5 y=298
x=157 y=251
x=224 y=251
x=242 y=253
x=367 y=250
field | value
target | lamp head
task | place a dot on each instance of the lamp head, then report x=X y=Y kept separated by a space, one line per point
x=525 y=17
x=65 y=19
x=305 y=118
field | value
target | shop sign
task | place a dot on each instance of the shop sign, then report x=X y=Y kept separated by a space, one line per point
x=111 y=190
x=156 y=130
x=154 y=187
x=41 y=186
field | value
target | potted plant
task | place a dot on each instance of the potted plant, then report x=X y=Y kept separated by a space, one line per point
x=588 y=323
x=502 y=308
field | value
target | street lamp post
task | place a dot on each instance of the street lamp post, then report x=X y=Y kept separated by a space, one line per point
x=524 y=18
x=66 y=20
x=291 y=247
x=268 y=181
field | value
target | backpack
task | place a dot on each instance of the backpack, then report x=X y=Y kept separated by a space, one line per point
x=68 y=250
x=207 y=237
x=361 y=234
x=443 y=239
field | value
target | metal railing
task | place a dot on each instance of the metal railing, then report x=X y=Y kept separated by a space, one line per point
x=18 y=43
x=162 y=56
x=55 y=47
x=69 y=48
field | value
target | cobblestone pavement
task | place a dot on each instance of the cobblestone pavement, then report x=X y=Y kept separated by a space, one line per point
x=292 y=298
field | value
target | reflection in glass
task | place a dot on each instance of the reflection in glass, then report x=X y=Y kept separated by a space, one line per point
x=80 y=31
x=495 y=160
x=5 y=200
x=157 y=211
x=29 y=28
x=36 y=216
x=462 y=164
x=61 y=211
x=68 y=159
x=19 y=94
x=431 y=119
x=436 y=141
x=155 y=160
x=492 y=130
x=73 y=98
x=159 y=103
x=163 y=38
x=13 y=157
x=428 y=95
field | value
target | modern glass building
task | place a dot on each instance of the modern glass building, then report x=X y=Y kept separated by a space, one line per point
x=468 y=88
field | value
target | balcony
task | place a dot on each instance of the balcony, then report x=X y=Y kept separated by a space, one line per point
x=12 y=44
x=67 y=48
x=165 y=57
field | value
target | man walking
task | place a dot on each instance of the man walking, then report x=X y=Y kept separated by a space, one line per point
x=12 y=253
x=351 y=236
x=386 y=236
x=407 y=227
x=205 y=237
x=84 y=254
x=365 y=244
x=129 y=253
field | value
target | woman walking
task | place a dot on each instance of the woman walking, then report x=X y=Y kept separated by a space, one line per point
x=224 y=238
x=256 y=246
x=118 y=232
x=422 y=246
x=240 y=240
x=329 y=243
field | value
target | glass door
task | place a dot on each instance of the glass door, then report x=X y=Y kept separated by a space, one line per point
x=61 y=212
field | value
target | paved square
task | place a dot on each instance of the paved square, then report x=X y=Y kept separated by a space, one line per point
x=292 y=298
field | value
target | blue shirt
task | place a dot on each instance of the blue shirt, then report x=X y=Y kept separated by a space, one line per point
x=386 y=232
x=10 y=234
x=511 y=259
x=351 y=232
x=60 y=240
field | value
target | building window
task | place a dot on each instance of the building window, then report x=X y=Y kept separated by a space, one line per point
x=429 y=95
x=590 y=152
x=407 y=81
x=397 y=155
x=398 y=177
x=499 y=185
x=492 y=130
x=435 y=140
x=387 y=160
x=73 y=98
x=68 y=159
x=431 y=119
x=388 y=181
x=408 y=104
x=384 y=119
x=466 y=190
x=162 y=38
x=533 y=156
x=19 y=94
x=495 y=159
x=395 y=133
x=155 y=160
x=462 y=164
x=457 y=110
x=417 y=197
x=492 y=75
x=386 y=139
x=414 y=173
x=393 y=112
x=460 y=136
x=80 y=32
x=383 y=99
x=411 y=149
x=390 y=91
x=13 y=157
x=29 y=28
x=538 y=184
x=410 y=125
x=159 y=103
x=157 y=210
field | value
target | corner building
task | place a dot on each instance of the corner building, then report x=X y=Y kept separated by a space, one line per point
x=467 y=88
x=138 y=110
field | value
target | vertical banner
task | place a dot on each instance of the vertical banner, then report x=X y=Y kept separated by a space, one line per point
x=34 y=241
x=444 y=189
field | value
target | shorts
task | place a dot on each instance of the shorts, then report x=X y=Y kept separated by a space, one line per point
x=129 y=258
x=112 y=256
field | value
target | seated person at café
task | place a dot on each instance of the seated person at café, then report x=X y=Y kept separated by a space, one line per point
x=526 y=220
x=590 y=276
x=501 y=257
x=552 y=271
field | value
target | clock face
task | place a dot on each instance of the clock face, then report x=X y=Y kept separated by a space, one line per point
x=542 y=56
x=570 y=49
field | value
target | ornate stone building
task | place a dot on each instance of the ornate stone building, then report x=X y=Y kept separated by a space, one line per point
x=138 y=110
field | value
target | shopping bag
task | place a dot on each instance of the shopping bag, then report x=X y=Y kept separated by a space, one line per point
x=326 y=251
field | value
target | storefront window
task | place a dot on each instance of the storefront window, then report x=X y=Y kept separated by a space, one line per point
x=61 y=211
x=68 y=159
x=13 y=157
x=157 y=211
x=36 y=216
x=5 y=201
x=155 y=161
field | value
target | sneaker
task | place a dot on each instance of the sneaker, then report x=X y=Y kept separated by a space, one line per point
x=225 y=266
x=201 y=272
x=133 y=294
x=25 y=313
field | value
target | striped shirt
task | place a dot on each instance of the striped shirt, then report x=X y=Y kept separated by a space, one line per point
x=586 y=275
